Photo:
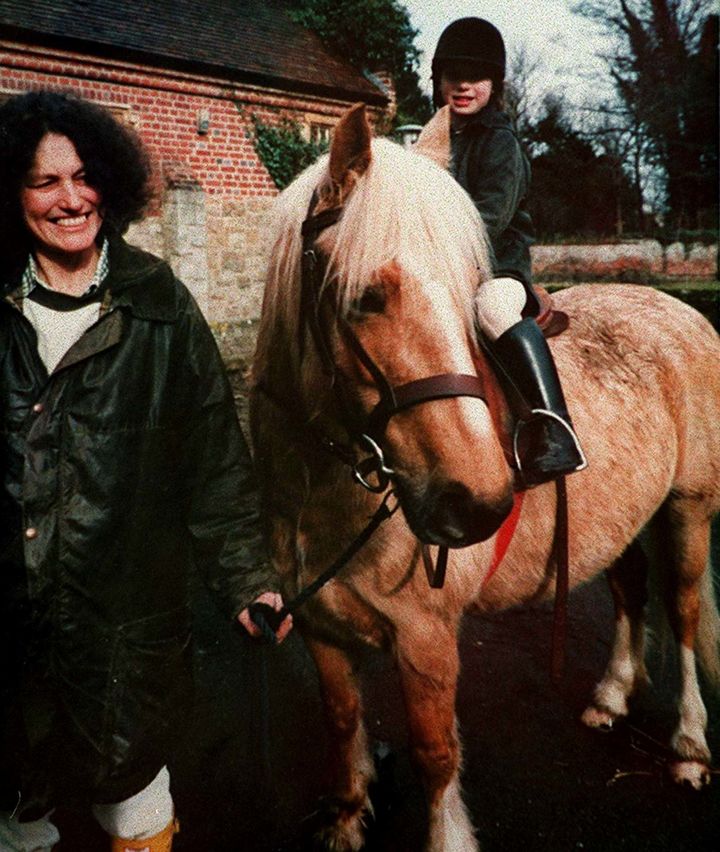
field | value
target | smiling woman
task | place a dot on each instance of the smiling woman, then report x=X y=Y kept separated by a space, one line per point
x=122 y=469
x=61 y=211
x=63 y=160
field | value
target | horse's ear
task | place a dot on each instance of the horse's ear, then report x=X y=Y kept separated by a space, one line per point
x=434 y=138
x=350 y=150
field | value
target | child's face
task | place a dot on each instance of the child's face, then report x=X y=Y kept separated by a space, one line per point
x=461 y=88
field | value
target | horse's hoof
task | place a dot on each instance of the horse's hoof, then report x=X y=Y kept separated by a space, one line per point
x=690 y=773
x=342 y=826
x=598 y=718
x=338 y=840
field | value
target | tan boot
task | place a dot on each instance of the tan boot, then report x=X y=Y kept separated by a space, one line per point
x=161 y=842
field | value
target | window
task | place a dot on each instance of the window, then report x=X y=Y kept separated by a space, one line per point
x=320 y=133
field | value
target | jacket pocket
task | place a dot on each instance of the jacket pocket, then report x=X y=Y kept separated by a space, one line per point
x=149 y=690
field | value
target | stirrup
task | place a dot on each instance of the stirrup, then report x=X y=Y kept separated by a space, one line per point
x=538 y=414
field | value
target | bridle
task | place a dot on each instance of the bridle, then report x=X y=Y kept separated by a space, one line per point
x=369 y=431
x=366 y=431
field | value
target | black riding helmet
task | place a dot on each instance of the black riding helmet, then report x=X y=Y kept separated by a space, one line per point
x=472 y=40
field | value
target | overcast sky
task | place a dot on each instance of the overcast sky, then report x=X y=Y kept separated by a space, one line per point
x=565 y=43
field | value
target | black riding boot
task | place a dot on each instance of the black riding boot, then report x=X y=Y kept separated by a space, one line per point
x=545 y=443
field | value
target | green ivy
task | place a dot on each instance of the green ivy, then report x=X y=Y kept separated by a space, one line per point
x=283 y=150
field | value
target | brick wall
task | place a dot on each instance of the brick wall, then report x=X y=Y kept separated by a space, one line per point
x=215 y=193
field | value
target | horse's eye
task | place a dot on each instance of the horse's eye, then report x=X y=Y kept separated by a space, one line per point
x=372 y=301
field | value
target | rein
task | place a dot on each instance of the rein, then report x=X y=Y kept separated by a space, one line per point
x=269 y=619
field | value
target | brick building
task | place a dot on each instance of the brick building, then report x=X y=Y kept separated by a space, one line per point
x=189 y=76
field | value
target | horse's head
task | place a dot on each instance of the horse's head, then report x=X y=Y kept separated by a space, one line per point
x=381 y=307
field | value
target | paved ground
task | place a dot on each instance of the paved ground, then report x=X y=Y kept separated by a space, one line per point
x=247 y=777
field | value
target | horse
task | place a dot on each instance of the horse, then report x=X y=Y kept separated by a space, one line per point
x=394 y=250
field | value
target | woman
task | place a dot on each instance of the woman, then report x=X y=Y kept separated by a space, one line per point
x=468 y=70
x=123 y=468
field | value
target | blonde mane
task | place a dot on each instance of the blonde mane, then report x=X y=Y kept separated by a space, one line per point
x=405 y=209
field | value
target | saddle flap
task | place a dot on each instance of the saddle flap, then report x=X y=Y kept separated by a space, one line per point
x=550 y=320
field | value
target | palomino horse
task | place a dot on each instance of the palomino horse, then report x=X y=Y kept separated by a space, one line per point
x=402 y=251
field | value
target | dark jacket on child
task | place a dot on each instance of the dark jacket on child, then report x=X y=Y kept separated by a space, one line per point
x=488 y=162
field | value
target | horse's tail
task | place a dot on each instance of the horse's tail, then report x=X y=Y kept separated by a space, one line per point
x=707 y=643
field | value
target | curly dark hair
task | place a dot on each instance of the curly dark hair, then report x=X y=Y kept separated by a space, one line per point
x=116 y=162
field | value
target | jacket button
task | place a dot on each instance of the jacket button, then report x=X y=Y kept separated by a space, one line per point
x=38 y=407
x=31 y=532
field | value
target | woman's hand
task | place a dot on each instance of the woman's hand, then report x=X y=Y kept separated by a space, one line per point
x=275 y=601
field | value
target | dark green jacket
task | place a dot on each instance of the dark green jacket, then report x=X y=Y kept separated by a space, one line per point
x=488 y=162
x=129 y=469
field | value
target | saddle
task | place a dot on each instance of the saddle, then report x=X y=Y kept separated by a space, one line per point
x=550 y=320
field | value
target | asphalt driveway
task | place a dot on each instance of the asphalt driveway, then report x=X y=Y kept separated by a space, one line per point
x=248 y=773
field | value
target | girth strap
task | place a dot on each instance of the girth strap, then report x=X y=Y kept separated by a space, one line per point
x=561 y=554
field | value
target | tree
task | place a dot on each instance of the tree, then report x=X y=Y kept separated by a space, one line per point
x=615 y=132
x=576 y=190
x=373 y=35
x=523 y=98
x=703 y=127
x=663 y=68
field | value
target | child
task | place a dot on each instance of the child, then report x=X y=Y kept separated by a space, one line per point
x=468 y=71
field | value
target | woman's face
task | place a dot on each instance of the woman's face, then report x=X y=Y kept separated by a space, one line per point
x=61 y=210
x=461 y=88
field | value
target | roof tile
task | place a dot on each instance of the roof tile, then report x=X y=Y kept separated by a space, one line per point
x=251 y=39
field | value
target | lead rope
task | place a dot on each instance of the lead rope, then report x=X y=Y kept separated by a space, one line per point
x=269 y=619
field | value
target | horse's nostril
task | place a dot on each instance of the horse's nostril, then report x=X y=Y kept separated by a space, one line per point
x=454 y=517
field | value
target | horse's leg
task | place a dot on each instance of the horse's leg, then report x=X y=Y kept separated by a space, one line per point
x=690 y=536
x=428 y=661
x=626 y=670
x=352 y=766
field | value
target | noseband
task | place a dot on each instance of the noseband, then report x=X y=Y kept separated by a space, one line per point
x=367 y=431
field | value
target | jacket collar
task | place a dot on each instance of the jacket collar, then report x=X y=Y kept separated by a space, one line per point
x=141 y=282
x=137 y=281
x=488 y=116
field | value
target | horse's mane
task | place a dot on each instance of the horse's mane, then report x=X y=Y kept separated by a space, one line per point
x=404 y=208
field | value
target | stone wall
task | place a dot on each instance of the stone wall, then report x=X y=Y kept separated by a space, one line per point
x=238 y=250
x=642 y=259
x=219 y=248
